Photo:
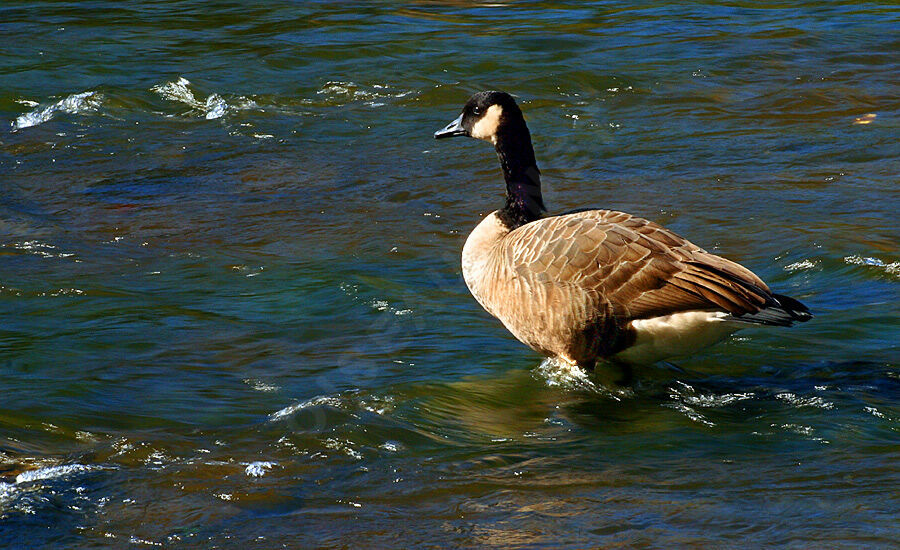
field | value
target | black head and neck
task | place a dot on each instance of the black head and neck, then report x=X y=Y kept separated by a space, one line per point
x=495 y=117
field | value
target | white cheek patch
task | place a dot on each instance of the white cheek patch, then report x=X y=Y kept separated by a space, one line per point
x=486 y=128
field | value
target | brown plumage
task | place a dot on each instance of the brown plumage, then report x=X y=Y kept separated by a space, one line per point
x=597 y=283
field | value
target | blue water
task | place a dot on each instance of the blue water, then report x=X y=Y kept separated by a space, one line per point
x=231 y=302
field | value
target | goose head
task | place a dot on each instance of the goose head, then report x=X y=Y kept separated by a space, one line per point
x=488 y=116
x=494 y=117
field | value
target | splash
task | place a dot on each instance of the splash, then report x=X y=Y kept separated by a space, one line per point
x=558 y=373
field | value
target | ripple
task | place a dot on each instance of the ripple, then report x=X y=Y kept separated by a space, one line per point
x=691 y=413
x=38 y=248
x=377 y=304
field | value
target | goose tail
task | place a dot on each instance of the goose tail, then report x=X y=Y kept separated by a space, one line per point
x=782 y=311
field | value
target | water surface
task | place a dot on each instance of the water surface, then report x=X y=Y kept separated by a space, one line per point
x=232 y=310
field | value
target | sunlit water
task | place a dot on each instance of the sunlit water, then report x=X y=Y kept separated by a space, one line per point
x=232 y=312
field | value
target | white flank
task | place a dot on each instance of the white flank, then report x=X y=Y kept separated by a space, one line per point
x=676 y=334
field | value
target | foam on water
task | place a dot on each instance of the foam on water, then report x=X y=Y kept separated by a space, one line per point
x=797 y=401
x=341 y=93
x=52 y=472
x=892 y=268
x=24 y=483
x=7 y=491
x=259 y=385
x=258 y=468
x=801 y=265
x=344 y=446
x=213 y=107
x=314 y=402
x=81 y=103
x=557 y=373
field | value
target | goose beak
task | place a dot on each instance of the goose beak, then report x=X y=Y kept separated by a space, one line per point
x=455 y=128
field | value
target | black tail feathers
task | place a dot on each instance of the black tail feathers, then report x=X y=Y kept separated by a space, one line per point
x=784 y=311
x=796 y=310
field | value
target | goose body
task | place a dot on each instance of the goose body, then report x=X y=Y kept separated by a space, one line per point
x=597 y=284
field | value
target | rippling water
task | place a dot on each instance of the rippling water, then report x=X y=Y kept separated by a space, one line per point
x=232 y=313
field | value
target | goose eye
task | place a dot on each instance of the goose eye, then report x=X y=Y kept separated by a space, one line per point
x=476 y=110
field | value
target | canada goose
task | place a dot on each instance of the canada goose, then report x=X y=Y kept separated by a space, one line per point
x=596 y=284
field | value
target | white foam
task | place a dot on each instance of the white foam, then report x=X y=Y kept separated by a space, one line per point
x=259 y=385
x=258 y=468
x=52 y=472
x=177 y=91
x=711 y=400
x=7 y=490
x=339 y=92
x=798 y=429
x=892 y=268
x=813 y=401
x=558 y=373
x=315 y=401
x=378 y=405
x=213 y=107
x=796 y=266
x=349 y=90
x=85 y=102
x=344 y=446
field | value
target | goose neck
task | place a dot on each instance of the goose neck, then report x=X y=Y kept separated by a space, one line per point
x=524 y=202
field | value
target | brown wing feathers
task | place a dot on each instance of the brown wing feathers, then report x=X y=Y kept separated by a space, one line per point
x=642 y=269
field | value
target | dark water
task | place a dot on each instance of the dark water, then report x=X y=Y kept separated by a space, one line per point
x=232 y=312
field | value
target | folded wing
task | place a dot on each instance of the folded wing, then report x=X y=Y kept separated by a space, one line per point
x=613 y=268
